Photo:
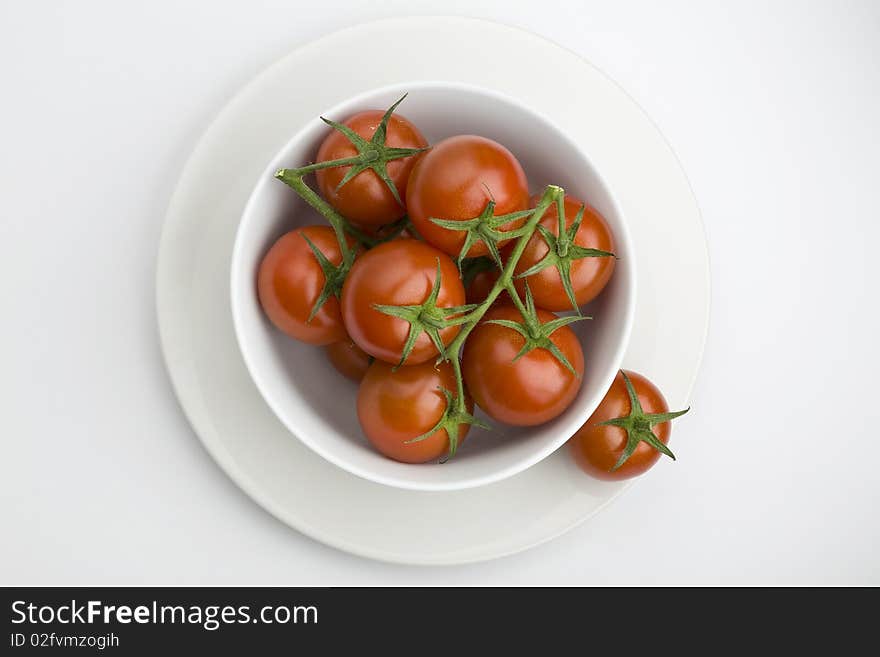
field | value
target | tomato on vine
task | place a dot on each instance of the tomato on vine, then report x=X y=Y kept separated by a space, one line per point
x=523 y=368
x=401 y=409
x=299 y=283
x=397 y=298
x=568 y=271
x=369 y=193
x=459 y=188
x=626 y=434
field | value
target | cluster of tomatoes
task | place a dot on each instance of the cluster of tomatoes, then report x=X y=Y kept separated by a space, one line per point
x=436 y=286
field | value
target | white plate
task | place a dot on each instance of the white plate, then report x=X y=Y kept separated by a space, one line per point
x=195 y=324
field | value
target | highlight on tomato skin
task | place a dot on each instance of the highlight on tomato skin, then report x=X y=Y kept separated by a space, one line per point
x=349 y=360
x=398 y=273
x=524 y=391
x=290 y=281
x=589 y=276
x=597 y=448
x=455 y=180
x=366 y=199
x=396 y=405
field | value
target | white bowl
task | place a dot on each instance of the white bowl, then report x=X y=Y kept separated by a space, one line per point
x=317 y=404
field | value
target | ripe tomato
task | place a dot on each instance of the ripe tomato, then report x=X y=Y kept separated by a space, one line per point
x=455 y=180
x=482 y=284
x=588 y=275
x=596 y=449
x=479 y=276
x=397 y=273
x=290 y=280
x=366 y=199
x=396 y=406
x=349 y=360
x=530 y=390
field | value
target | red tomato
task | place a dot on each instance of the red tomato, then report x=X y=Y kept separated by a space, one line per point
x=366 y=199
x=455 y=180
x=531 y=390
x=349 y=360
x=482 y=284
x=290 y=280
x=596 y=449
x=588 y=275
x=397 y=273
x=397 y=406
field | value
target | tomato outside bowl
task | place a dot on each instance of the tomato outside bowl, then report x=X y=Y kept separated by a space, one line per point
x=316 y=403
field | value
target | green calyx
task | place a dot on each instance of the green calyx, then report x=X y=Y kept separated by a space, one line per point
x=427 y=317
x=535 y=333
x=454 y=415
x=639 y=426
x=334 y=277
x=373 y=153
x=483 y=228
x=562 y=251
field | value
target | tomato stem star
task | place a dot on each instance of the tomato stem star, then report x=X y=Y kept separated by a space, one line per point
x=562 y=251
x=639 y=426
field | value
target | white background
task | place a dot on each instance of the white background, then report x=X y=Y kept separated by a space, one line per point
x=774 y=110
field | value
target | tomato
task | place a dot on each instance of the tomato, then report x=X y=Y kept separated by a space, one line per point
x=397 y=273
x=481 y=285
x=596 y=449
x=366 y=199
x=349 y=360
x=531 y=390
x=290 y=280
x=396 y=406
x=588 y=275
x=455 y=180
x=479 y=276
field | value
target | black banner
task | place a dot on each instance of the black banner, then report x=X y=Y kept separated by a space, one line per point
x=133 y=621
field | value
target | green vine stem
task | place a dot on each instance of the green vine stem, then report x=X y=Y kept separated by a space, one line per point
x=373 y=155
x=294 y=178
x=505 y=279
x=456 y=412
x=504 y=282
x=341 y=226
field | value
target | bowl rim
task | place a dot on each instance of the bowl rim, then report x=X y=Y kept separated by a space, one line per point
x=622 y=235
